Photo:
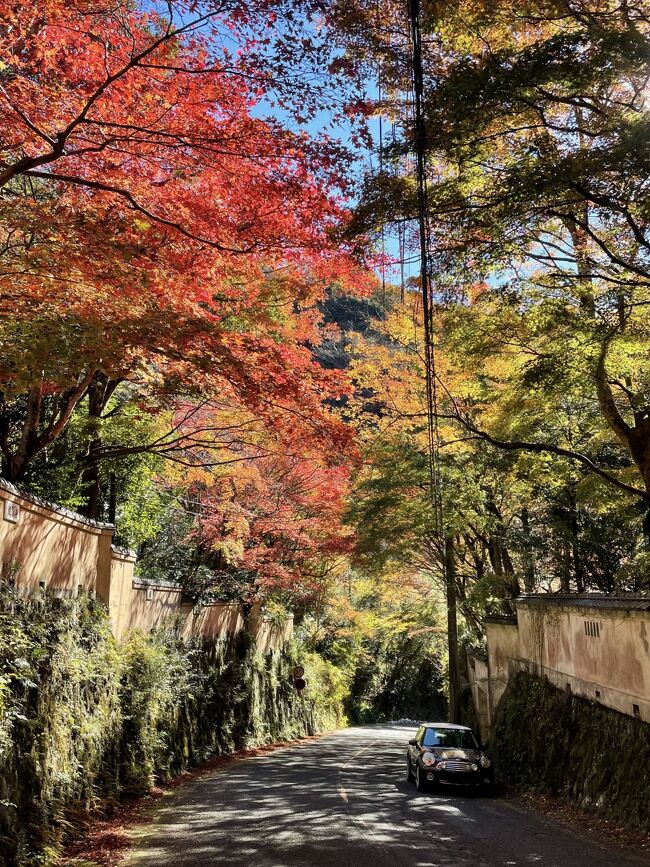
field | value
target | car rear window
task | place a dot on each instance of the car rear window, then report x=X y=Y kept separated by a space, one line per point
x=455 y=738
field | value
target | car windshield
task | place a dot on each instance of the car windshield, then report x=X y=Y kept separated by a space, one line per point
x=455 y=738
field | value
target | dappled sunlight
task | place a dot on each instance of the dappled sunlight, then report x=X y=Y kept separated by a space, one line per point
x=344 y=800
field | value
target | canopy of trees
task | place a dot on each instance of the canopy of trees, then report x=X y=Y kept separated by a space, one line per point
x=195 y=345
x=537 y=179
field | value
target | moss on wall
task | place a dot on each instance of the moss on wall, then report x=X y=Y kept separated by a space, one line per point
x=567 y=745
x=85 y=722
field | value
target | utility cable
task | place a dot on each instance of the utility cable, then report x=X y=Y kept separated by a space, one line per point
x=420 y=144
x=435 y=477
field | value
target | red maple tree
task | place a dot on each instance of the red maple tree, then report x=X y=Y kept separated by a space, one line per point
x=153 y=229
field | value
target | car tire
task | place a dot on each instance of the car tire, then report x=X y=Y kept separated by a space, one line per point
x=409 y=771
x=420 y=782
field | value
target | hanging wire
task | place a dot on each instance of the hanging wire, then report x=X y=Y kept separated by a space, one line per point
x=428 y=299
x=401 y=233
x=381 y=166
x=419 y=127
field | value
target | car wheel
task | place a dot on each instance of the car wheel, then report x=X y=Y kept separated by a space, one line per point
x=409 y=771
x=420 y=783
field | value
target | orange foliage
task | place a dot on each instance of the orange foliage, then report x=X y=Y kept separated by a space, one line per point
x=152 y=228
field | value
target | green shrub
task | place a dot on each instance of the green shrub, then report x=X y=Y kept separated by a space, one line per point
x=60 y=718
x=157 y=677
x=85 y=722
x=327 y=689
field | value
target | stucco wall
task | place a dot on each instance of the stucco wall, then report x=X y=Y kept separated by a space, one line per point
x=143 y=606
x=592 y=650
x=51 y=546
x=601 y=653
x=269 y=634
x=47 y=547
x=135 y=605
x=214 y=621
x=503 y=656
x=479 y=682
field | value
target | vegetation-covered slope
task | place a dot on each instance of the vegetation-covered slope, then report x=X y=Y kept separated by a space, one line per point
x=84 y=722
x=561 y=743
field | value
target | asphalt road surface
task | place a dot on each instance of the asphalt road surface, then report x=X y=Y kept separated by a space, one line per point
x=343 y=801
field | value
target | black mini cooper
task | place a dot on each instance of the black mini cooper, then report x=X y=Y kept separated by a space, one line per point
x=444 y=753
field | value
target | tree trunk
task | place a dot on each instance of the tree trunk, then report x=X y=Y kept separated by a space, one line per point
x=529 y=562
x=90 y=477
x=565 y=575
x=498 y=551
x=576 y=555
x=100 y=391
x=112 y=499
x=37 y=428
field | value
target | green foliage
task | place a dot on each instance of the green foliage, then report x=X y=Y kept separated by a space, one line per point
x=85 y=722
x=171 y=554
x=391 y=510
x=378 y=646
x=61 y=717
x=586 y=753
x=134 y=479
x=327 y=690
x=402 y=676
x=536 y=131
x=157 y=676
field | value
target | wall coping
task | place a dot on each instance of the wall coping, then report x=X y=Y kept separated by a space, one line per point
x=501 y=619
x=617 y=602
x=143 y=584
x=62 y=511
x=220 y=605
x=119 y=553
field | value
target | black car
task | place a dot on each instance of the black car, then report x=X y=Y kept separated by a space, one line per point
x=443 y=753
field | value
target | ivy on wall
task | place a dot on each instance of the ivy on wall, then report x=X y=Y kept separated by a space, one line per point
x=85 y=722
x=561 y=743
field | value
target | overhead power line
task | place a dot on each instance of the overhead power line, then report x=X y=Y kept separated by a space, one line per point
x=428 y=300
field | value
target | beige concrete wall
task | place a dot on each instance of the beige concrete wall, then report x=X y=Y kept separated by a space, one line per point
x=51 y=545
x=269 y=634
x=120 y=589
x=135 y=605
x=214 y=621
x=503 y=658
x=599 y=653
x=590 y=650
x=479 y=682
x=65 y=552
x=144 y=606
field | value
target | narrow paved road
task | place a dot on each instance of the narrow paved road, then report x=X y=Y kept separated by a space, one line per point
x=342 y=801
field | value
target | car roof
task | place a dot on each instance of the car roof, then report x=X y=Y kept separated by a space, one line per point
x=443 y=725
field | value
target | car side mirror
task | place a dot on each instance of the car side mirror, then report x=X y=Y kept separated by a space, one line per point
x=413 y=742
